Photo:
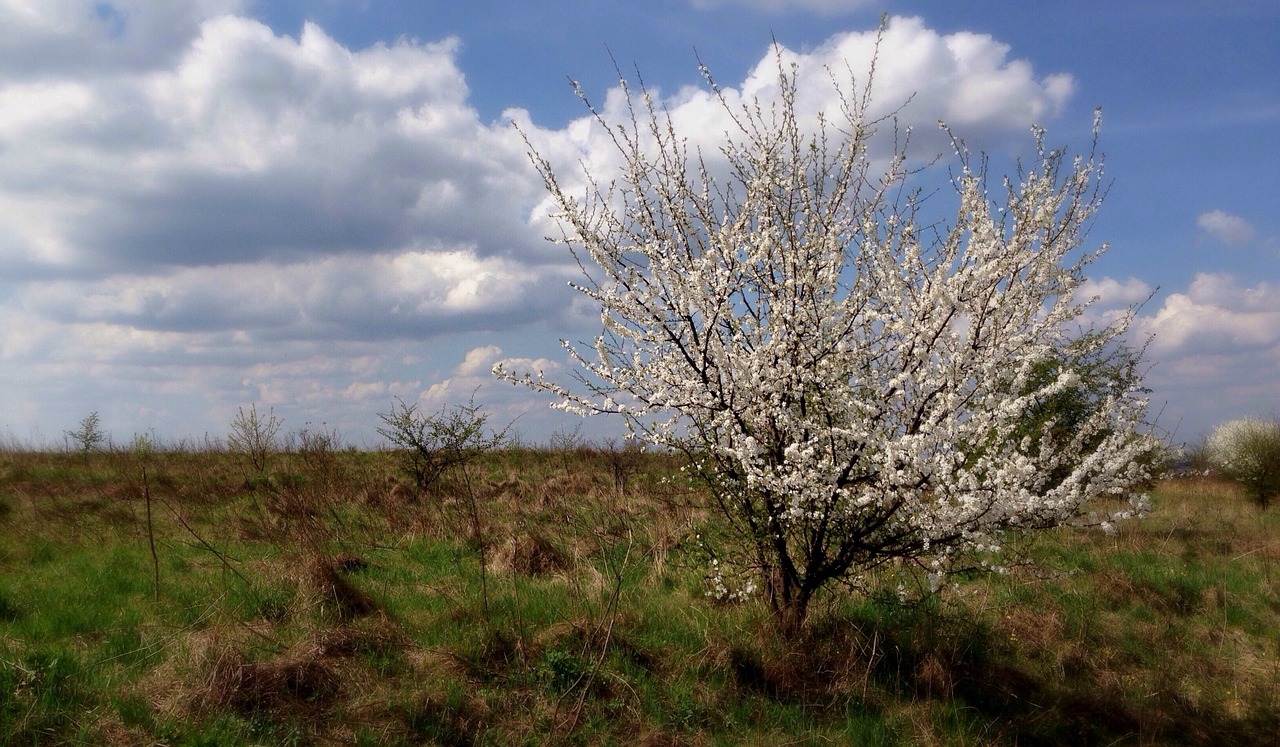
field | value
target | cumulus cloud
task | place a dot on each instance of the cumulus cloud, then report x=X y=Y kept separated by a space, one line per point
x=1229 y=229
x=1217 y=314
x=965 y=79
x=1109 y=292
x=98 y=38
x=1216 y=349
x=197 y=213
x=1110 y=300
x=252 y=145
x=476 y=368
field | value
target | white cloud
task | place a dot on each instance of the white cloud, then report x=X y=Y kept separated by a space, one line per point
x=1227 y=228
x=1217 y=314
x=965 y=79
x=824 y=7
x=393 y=296
x=94 y=38
x=1216 y=349
x=1110 y=300
x=479 y=361
x=251 y=145
x=247 y=146
x=1110 y=292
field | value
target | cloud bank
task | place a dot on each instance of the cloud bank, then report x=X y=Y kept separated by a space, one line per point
x=197 y=212
x=1218 y=347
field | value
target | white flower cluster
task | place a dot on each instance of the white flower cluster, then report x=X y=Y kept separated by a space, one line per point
x=726 y=591
x=1248 y=450
x=1234 y=446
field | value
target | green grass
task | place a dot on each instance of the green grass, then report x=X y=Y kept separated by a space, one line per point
x=326 y=602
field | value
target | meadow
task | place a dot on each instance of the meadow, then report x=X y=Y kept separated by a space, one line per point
x=559 y=596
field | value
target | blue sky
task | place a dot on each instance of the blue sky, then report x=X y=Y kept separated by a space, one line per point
x=320 y=205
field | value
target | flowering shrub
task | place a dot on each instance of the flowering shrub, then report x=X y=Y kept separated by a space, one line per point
x=855 y=384
x=1248 y=451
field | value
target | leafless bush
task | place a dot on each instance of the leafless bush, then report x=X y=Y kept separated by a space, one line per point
x=623 y=460
x=431 y=445
x=253 y=436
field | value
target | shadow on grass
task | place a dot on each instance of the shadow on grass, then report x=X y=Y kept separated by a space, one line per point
x=885 y=653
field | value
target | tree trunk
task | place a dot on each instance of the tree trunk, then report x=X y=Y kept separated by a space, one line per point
x=789 y=600
x=790 y=618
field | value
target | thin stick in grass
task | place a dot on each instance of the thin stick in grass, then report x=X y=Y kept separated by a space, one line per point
x=151 y=538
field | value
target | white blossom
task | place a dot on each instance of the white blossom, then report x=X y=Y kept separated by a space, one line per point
x=1248 y=451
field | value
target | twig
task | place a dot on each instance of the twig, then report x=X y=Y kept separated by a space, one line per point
x=225 y=563
x=151 y=538
x=606 y=623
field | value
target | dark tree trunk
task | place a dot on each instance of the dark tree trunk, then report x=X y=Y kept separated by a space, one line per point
x=789 y=600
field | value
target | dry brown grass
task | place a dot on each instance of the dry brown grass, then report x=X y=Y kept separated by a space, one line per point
x=325 y=588
x=532 y=555
x=358 y=614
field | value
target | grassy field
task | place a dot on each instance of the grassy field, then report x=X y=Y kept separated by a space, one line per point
x=558 y=597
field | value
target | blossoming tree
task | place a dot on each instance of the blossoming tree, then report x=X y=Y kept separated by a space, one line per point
x=1248 y=451
x=854 y=383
